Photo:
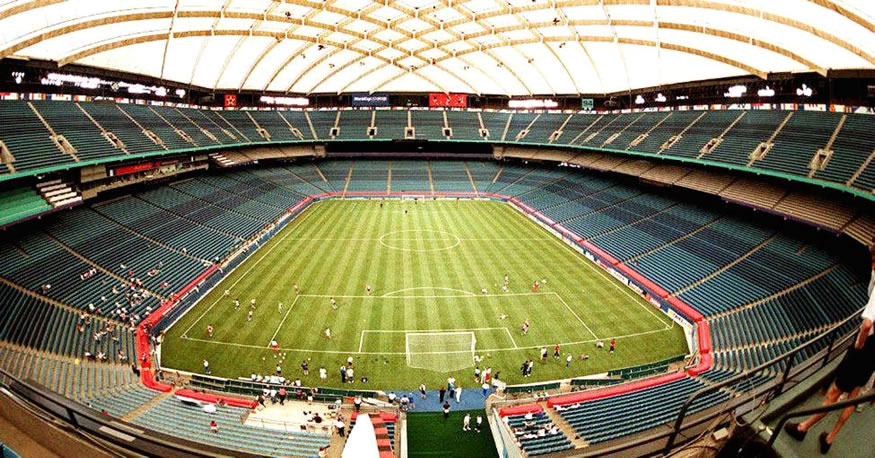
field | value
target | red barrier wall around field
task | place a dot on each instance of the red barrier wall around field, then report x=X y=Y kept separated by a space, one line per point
x=642 y=280
x=520 y=410
x=614 y=390
x=386 y=416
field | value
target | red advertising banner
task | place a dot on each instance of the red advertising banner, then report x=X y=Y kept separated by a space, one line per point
x=128 y=169
x=440 y=99
x=230 y=101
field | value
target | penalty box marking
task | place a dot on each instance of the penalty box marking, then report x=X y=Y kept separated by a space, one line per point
x=436 y=331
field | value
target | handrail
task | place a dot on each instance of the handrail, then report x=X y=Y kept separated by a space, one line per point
x=789 y=357
x=818 y=409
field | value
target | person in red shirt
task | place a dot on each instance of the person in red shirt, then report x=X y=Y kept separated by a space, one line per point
x=613 y=344
x=210 y=330
x=214 y=427
x=556 y=351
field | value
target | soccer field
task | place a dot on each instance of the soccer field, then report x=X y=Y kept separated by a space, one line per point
x=428 y=264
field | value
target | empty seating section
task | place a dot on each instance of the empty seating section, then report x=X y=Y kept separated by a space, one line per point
x=19 y=203
x=544 y=127
x=370 y=176
x=224 y=132
x=111 y=246
x=161 y=225
x=256 y=189
x=633 y=126
x=853 y=145
x=336 y=173
x=536 y=435
x=672 y=124
x=109 y=116
x=390 y=124
x=184 y=122
x=232 y=202
x=496 y=123
x=152 y=122
x=298 y=120
x=242 y=123
x=120 y=401
x=519 y=122
x=576 y=126
x=450 y=176
x=799 y=139
x=354 y=124
x=170 y=416
x=465 y=125
x=191 y=208
x=274 y=124
x=79 y=381
x=709 y=126
x=27 y=138
x=622 y=213
x=304 y=179
x=429 y=124
x=686 y=261
x=323 y=121
x=482 y=173
x=753 y=128
x=34 y=323
x=410 y=176
x=25 y=264
x=66 y=119
x=618 y=416
x=595 y=126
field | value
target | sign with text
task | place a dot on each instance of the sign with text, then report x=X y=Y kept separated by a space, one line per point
x=587 y=104
x=370 y=100
x=451 y=100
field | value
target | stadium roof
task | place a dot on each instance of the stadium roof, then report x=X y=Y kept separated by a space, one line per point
x=512 y=47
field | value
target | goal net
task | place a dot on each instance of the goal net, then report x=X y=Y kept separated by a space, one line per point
x=412 y=197
x=440 y=351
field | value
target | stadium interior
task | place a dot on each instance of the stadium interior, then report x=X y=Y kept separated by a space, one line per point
x=682 y=192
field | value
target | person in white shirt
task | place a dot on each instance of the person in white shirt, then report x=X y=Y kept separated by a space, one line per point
x=323 y=374
x=466 y=422
x=853 y=372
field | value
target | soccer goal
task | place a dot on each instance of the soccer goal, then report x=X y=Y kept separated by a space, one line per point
x=407 y=197
x=440 y=351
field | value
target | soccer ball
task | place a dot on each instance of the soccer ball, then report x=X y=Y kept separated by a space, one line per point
x=263 y=358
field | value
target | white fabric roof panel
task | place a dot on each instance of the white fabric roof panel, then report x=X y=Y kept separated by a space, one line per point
x=578 y=46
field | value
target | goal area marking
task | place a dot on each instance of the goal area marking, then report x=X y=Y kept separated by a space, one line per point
x=457 y=350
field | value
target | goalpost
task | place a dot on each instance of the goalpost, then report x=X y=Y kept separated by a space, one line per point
x=440 y=351
x=412 y=197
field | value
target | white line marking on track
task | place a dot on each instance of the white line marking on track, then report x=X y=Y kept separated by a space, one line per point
x=306 y=215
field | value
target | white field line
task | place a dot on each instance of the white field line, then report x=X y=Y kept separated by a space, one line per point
x=625 y=290
x=371 y=239
x=429 y=288
x=511 y=338
x=425 y=296
x=306 y=215
x=362 y=341
x=347 y=352
x=284 y=319
x=575 y=314
x=426 y=331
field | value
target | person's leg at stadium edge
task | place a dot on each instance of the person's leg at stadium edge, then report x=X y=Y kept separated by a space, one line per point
x=832 y=395
x=846 y=413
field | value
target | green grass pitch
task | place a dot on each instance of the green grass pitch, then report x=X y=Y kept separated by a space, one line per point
x=427 y=263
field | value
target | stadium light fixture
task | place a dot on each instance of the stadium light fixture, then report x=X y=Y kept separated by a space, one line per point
x=736 y=91
x=660 y=97
x=766 y=92
x=180 y=93
x=161 y=91
x=639 y=100
x=287 y=101
x=804 y=91
x=19 y=76
x=532 y=103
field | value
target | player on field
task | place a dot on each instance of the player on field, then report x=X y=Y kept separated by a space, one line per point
x=333 y=303
x=279 y=308
x=535 y=286
x=250 y=316
x=556 y=351
x=505 y=279
x=613 y=344
x=296 y=289
x=210 y=330
x=525 y=327
x=227 y=292
x=236 y=304
x=368 y=289
x=252 y=303
x=275 y=347
x=328 y=333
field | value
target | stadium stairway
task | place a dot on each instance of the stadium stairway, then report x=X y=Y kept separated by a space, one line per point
x=576 y=440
